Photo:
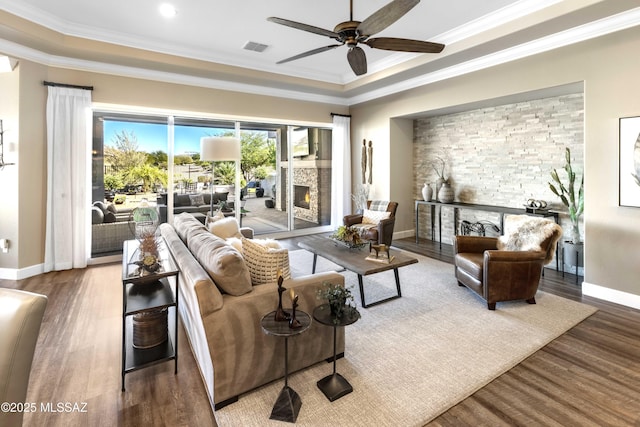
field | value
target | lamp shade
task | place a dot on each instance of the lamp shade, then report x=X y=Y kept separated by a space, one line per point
x=219 y=148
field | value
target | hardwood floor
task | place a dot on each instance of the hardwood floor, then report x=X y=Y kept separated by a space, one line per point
x=590 y=376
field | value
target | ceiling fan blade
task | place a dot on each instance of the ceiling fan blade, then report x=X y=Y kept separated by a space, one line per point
x=304 y=27
x=309 y=53
x=404 y=45
x=385 y=16
x=357 y=60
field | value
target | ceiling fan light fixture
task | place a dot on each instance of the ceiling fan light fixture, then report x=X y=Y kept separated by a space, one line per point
x=353 y=32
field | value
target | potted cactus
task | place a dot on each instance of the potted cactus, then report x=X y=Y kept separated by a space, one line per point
x=574 y=202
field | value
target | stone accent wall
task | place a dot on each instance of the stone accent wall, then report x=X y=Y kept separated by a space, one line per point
x=499 y=156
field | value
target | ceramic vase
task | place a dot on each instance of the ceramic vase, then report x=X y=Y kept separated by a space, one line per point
x=427 y=192
x=446 y=194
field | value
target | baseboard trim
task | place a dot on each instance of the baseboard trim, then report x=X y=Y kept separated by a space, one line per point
x=404 y=234
x=21 y=273
x=611 y=295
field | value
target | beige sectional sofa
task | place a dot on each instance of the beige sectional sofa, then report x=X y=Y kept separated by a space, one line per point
x=233 y=353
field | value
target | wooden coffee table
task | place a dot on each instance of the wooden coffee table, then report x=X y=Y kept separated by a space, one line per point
x=354 y=260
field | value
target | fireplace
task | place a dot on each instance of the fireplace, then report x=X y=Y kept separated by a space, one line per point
x=301 y=196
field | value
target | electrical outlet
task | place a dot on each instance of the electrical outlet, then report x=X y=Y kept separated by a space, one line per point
x=4 y=245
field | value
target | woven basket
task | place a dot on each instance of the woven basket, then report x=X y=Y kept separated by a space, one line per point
x=264 y=263
x=150 y=328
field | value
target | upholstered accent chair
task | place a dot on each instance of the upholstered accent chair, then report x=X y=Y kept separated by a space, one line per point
x=376 y=222
x=20 y=319
x=508 y=267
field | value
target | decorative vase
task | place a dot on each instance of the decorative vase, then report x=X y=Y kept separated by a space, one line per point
x=439 y=183
x=446 y=194
x=427 y=192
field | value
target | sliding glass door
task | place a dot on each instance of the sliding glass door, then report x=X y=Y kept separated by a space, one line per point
x=285 y=171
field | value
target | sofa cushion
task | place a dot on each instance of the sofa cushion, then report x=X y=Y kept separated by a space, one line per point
x=109 y=217
x=181 y=200
x=224 y=263
x=184 y=222
x=112 y=208
x=196 y=199
x=374 y=217
x=265 y=258
x=192 y=276
x=225 y=228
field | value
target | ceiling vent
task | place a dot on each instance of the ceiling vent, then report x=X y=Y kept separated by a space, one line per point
x=256 y=47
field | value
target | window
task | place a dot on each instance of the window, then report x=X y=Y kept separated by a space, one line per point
x=156 y=160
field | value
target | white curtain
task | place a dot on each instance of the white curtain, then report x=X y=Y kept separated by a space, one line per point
x=340 y=170
x=67 y=240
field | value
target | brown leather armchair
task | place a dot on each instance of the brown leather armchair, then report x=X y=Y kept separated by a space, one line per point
x=501 y=275
x=380 y=233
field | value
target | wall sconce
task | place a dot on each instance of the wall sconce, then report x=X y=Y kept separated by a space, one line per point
x=7 y=64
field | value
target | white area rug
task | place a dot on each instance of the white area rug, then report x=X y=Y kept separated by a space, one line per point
x=412 y=358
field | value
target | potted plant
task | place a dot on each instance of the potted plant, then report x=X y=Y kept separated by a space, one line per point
x=349 y=236
x=339 y=298
x=572 y=200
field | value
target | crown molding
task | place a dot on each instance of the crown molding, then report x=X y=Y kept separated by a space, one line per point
x=146 y=74
x=468 y=30
x=578 y=34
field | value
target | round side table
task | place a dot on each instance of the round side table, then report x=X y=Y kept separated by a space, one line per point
x=288 y=404
x=334 y=386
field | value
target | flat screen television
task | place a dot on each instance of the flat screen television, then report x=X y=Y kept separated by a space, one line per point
x=300 y=143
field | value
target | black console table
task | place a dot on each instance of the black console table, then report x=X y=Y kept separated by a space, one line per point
x=457 y=206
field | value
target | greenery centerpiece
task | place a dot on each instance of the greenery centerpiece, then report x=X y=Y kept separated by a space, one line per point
x=340 y=300
x=567 y=193
x=349 y=236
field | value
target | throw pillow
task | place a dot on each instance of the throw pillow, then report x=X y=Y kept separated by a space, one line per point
x=264 y=259
x=374 y=217
x=217 y=217
x=196 y=199
x=101 y=205
x=225 y=228
x=97 y=217
x=235 y=242
x=224 y=263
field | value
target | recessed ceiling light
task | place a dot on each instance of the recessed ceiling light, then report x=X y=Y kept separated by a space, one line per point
x=167 y=10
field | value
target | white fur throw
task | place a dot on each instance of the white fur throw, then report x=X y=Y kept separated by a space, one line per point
x=526 y=233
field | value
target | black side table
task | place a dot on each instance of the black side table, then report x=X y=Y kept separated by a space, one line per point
x=334 y=386
x=288 y=404
x=148 y=295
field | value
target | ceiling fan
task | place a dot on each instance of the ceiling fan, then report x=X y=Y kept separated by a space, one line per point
x=353 y=32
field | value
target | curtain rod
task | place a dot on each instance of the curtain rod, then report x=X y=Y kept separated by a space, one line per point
x=340 y=115
x=46 y=83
